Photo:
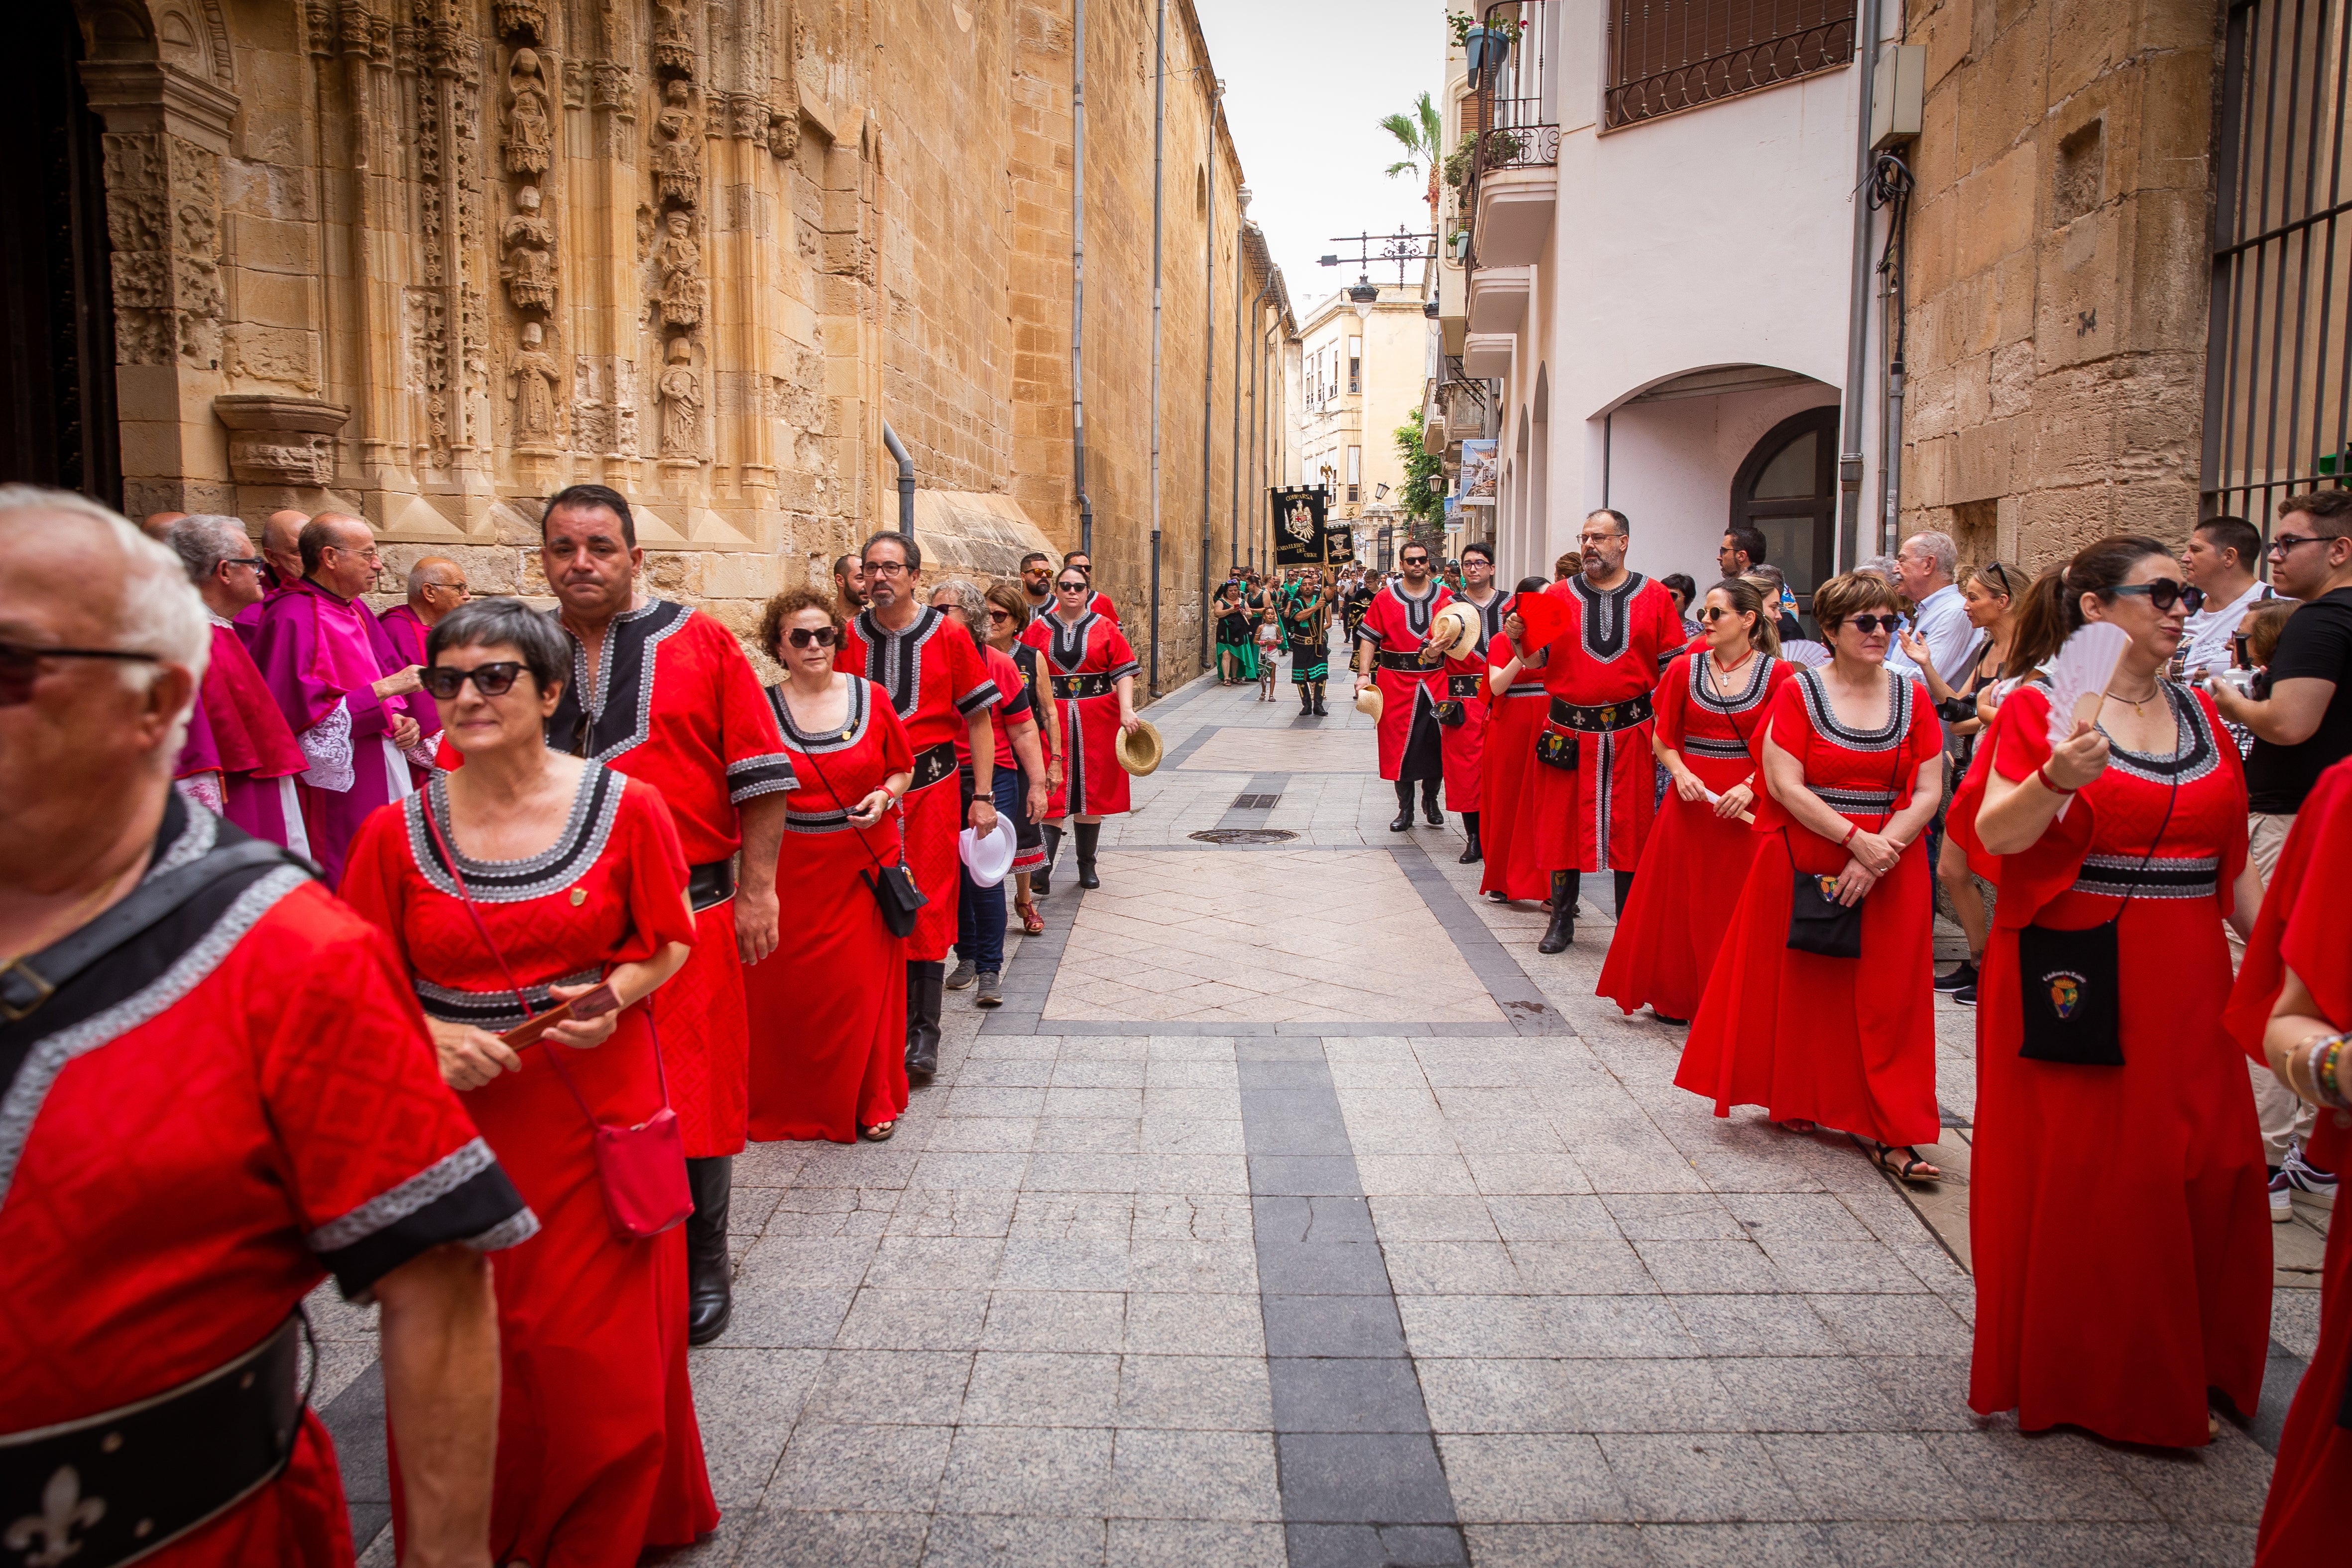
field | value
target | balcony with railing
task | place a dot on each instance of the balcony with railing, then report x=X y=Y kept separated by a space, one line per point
x=1666 y=55
x=1514 y=140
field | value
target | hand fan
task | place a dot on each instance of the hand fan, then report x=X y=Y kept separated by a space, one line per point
x=2078 y=680
x=1807 y=652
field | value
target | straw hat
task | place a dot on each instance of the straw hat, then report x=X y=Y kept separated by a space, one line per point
x=1138 y=750
x=1368 y=702
x=1456 y=629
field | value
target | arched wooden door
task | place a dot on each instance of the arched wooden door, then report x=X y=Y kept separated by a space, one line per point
x=57 y=301
x=1788 y=488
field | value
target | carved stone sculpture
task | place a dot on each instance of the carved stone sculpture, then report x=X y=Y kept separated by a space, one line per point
x=528 y=135
x=530 y=243
x=532 y=379
x=280 y=440
x=681 y=400
x=679 y=257
x=673 y=37
x=678 y=150
x=527 y=17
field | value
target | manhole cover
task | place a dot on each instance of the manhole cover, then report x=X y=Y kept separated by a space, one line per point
x=1243 y=835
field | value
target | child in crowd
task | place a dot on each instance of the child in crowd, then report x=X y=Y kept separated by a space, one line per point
x=1269 y=648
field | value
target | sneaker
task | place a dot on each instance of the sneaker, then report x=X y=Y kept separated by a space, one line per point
x=1964 y=978
x=992 y=990
x=2302 y=1176
x=1966 y=994
x=2282 y=1198
x=961 y=975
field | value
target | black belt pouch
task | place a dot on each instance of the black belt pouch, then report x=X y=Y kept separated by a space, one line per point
x=2067 y=983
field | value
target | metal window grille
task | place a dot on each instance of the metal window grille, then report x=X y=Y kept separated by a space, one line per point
x=1671 y=55
x=2278 y=370
x=1518 y=124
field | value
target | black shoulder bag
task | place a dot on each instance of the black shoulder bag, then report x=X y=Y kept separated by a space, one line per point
x=1817 y=923
x=893 y=886
x=2068 y=982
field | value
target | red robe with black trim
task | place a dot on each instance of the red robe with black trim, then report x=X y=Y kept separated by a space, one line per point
x=1093 y=783
x=1397 y=623
x=222 y=1130
x=935 y=680
x=1596 y=815
x=673 y=702
x=1465 y=744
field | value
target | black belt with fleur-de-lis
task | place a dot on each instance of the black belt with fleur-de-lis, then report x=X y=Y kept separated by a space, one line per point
x=1068 y=688
x=932 y=764
x=115 y=1485
x=1601 y=718
x=1405 y=663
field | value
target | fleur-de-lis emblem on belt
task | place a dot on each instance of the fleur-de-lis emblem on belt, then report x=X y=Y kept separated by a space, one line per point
x=64 y=1511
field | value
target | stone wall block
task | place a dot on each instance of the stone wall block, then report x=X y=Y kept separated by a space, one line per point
x=2082 y=315
x=2075 y=439
x=2016 y=280
x=1943 y=25
x=2009 y=380
x=2003 y=103
x=1999 y=205
x=2087 y=37
x=2170 y=288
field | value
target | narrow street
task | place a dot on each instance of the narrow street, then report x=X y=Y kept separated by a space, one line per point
x=1293 y=1194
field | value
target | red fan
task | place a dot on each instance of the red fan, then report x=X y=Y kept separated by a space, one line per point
x=1546 y=615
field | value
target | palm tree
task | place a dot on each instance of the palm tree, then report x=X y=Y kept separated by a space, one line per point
x=1420 y=132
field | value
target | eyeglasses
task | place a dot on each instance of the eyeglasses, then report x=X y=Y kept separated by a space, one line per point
x=1999 y=573
x=494 y=679
x=255 y=562
x=20 y=665
x=457 y=588
x=1066 y=587
x=2286 y=542
x=996 y=614
x=885 y=568
x=801 y=636
x=1866 y=624
x=2165 y=593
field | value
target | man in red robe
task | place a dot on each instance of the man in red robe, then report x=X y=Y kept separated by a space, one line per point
x=940 y=688
x=1465 y=743
x=241 y=759
x=219 y=1091
x=1595 y=789
x=663 y=693
x=1391 y=655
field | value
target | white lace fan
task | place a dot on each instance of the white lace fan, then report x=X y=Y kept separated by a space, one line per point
x=1807 y=652
x=2078 y=679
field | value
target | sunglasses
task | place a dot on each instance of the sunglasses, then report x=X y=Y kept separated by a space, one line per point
x=1066 y=587
x=1716 y=613
x=2164 y=593
x=801 y=636
x=20 y=665
x=999 y=615
x=494 y=679
x=1866 y=624
x=1414 y=560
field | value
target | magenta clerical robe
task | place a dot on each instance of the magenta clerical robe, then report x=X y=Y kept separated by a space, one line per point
x=240 y=758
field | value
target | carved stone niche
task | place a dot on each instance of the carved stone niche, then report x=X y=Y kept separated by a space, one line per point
x=280 y=440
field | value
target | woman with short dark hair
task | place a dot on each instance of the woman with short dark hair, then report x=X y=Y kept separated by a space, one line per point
x=1852 y=766
x=524 y=881
x=2116 y=1156
x=828 y=1007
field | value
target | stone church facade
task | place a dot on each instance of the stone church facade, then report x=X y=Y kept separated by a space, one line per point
x=432 y=260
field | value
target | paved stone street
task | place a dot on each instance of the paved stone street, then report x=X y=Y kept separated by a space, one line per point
x=1293 y=1204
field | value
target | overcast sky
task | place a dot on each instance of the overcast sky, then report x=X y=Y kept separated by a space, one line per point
x=1306 y=82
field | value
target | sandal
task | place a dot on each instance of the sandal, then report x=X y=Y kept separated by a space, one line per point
x=1031 y=921
x=1910 y=1167
x=1797 y=1124
x=879 y=1133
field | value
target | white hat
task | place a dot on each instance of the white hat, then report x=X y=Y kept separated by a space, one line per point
x=989 y=859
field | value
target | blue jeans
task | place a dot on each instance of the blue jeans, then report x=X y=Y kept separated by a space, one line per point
x=979 y=911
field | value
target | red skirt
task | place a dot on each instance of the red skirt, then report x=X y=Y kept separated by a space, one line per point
x=1092 y=780
x=2139 y=1188
x=934 y=816
x=1848 y=1043
x=1506 y=811
x=1463 y=747
x=1405 y=698
x=1596 y=815
x=2303 y=1522
x=599 y=1453
x=1672 y=925
x=829 y=1006
x=706 y=1043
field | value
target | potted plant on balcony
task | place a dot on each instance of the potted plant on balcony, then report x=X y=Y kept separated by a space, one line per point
x=1485 y=45
x=1503 y=146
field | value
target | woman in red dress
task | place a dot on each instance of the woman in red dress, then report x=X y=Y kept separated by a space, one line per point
x=1507 y=817
x=1710 y=707
x=1094 y=680
x=828 y=1009
x=576 y=873
x=2291 y=1007
x=2153 y=840
x=1853 y=766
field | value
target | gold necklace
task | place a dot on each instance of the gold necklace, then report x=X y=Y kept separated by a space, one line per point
x=2137 y=702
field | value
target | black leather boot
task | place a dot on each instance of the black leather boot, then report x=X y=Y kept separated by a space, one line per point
x=709 y=1295
x=1041 y=880
x=1305 y=698
x=925 y=982
x=1429 y=802
x=1562 y=930
x=1320 y=712
x=1624 y=881
x=1471 y=853
x=1089 y=832
x=1404 y=823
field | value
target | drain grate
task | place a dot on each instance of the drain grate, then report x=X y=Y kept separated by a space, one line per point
x=1255 y=802
x=1243 y=835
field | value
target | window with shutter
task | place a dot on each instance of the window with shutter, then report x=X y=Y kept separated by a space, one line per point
x=1665 y=55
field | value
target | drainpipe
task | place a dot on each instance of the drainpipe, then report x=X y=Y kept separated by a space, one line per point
x=1234 y=523
x=1857 y=329
x=1158 y=208
x=1078 y=280
x=1209 y=377
x=905 y=479
x=1257 y=309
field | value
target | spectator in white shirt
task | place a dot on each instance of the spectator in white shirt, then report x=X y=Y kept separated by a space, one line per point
x=2219 y=560
x=1924 y=567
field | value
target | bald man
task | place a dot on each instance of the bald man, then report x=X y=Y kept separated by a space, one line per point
x=281 y=554
x=159 y=523
x=436 y=585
